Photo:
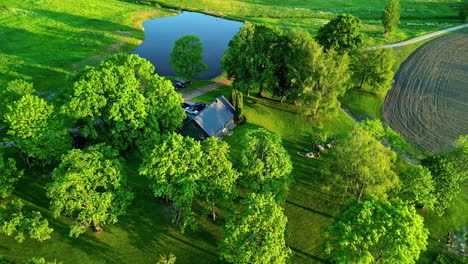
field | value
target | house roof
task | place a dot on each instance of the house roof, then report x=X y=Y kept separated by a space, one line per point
x=215 y=115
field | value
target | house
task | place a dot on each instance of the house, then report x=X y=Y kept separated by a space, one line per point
x=213 y=121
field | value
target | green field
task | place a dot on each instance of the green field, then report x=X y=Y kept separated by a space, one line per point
x=418 y=16
x=48 y=41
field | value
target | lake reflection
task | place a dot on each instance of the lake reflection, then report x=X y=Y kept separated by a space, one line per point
x=161 y=33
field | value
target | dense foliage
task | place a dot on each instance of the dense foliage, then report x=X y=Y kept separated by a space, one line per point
x=417 y=187
x=374 y=69
x=371 y=231
x=361 y=164
x=15 y=220
x=342 y=33
x=9 y=175
x=186 y=57
x=122 y=103
x=257 y=234
x=90 y=186
x=266 y=166
x=391 y=16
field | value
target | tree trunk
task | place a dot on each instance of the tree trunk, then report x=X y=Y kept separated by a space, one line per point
x=179 y=215
x=213 y=213
x=166 y=198
x=96 y=226
x=27 y=160
x=261 y=92
x=362 y=81
x=281 y=100
x=361 y=192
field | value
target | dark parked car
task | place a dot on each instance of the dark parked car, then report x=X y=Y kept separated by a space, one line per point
x=199 y=106
x=177 y=84
x=184 y=105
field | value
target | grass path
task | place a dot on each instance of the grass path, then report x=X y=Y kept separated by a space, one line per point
x=205 y=89
x=420 y=38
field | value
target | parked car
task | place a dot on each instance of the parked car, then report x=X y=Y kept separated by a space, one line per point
x=184 y=105
x=177 y=84
x=190 y=110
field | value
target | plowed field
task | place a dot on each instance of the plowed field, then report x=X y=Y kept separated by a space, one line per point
x=428 y=103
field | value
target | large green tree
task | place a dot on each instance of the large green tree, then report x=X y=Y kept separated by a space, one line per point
x=266 y=166
x=371 y=231
x=121 y=102
x=447 y=179
x=9 y=175
x=361 y=164
x=15 y=220
x=391 y=15
x=90 y=186
x=36 y=129
x=173 y=168
x=218 y=182
x=13 y=91
x=417 y=186
x=342 y=33
x=186 y=57
x=252 y=57
x=374 y=68
x=257 y=234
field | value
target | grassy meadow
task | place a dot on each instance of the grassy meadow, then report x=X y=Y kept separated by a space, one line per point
x=418 y=16
x=48 y=41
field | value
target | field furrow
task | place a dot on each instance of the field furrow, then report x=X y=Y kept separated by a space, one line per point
x=428 y=103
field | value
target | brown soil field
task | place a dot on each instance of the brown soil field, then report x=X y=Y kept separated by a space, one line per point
x=428 y=103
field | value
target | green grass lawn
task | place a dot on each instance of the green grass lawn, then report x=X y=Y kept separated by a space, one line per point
x=418 y=16
x=47 y=42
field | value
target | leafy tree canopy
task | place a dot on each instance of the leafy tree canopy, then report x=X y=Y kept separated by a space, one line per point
x=257 y=234
x=14 y=220
x=123 y=103
x=186 y=57
x=343 y=34
x=391 y=15
x=266 y=166
x=89 y=185
x=252 y=57
x=374 y=68
x=371 y=231
x=218 y=181
x=362 y=165
x=9 y=175
x=417 y=187
x=173 y=168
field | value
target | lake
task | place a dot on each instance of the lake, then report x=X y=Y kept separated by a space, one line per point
x=161 y=33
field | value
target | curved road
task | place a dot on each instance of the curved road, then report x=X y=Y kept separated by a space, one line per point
x=420 y=38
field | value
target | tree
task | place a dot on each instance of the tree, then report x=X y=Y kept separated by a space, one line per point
x=371 y=231
x=417 y=186
x=299 y=55
x=391 y=15
x=464 y=11
x=374 y=127
x=374 y=68
x=257 y=234
x=163 y=259
x=186 y=57
x=341 y=34
x=266 y=166
x=447 y=179
x=89 y=185
x=319 y=136
x=13 y=219
x=121 y=102
x=237 y=100
x=218 y=182
x=321 y=97
x=14 y=91
x=251 y=57
x=9 y=175
x=362 y=165
x=173 y=168
x=38 y=131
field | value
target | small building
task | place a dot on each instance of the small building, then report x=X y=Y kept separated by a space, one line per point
x=213 y=121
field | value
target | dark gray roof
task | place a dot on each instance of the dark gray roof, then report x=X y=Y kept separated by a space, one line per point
x=215 y=115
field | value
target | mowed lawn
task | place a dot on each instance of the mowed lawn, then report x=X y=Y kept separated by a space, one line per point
x=418 y=16
x=48 y=41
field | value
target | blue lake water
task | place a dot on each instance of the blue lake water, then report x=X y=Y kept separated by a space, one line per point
x=161 y=33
